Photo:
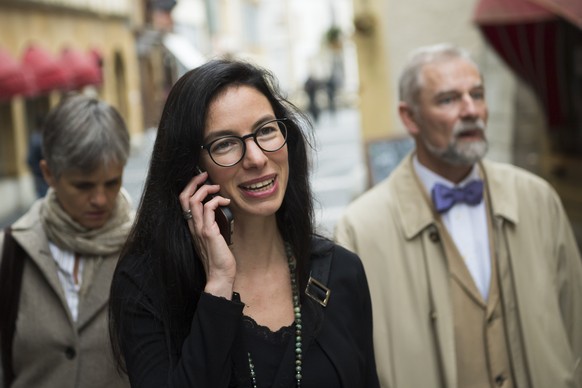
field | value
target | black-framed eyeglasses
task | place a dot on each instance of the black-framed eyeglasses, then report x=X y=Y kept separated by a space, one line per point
x=226 y=151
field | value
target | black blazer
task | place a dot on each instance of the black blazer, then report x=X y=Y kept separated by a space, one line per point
x=337 y=339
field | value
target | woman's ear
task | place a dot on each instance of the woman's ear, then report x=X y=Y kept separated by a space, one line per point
x=409 y=118
x=47 y=174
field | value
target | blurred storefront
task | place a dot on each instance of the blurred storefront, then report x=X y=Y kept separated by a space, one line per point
x=49 y=48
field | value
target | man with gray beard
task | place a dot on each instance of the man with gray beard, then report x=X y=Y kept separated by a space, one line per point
x=475 y=275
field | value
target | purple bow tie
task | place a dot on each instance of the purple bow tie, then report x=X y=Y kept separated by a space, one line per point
x=445 y=197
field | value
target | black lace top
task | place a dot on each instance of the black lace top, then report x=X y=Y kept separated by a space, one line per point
x=266 y=348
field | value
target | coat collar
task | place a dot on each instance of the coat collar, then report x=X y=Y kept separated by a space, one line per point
x=412 y=203
x=30 y=219
x=504 y=200
x=415 y=208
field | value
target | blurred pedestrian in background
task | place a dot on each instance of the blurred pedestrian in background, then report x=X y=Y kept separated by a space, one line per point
x=58 y=259
x=35 y=156
x=280 y=307
x=475 y=276
x=331 y=86
x=311 y=87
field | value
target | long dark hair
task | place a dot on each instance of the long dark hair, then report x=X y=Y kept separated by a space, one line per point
x=160 y=240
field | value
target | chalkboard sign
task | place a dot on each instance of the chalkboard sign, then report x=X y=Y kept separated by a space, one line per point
x=383 y=155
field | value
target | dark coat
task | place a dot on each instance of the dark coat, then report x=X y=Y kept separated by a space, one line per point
x=337 y=339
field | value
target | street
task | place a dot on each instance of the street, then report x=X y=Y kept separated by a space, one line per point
x=339 y=171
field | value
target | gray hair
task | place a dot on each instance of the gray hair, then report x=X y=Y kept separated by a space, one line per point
x=83 y=133
x=411 y=80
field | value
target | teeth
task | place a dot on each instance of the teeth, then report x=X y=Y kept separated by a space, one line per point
x=260 y=185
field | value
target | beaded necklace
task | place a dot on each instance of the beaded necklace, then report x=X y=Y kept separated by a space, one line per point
x=298 y=325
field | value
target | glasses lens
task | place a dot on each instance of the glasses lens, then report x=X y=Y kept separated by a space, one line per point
x=272 y=136
x=226 y=151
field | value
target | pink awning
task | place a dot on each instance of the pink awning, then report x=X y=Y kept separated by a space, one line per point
x=83 y=68
x=14 y=80
x=49 y=73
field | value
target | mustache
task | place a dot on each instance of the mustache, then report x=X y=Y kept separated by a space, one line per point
x=465 y=126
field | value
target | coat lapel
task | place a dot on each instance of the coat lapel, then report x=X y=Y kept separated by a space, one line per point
x=414 y=208
x=29 y=234
x=96 y=296
x=502 y=196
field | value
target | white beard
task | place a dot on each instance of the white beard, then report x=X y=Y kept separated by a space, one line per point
x=459 y=152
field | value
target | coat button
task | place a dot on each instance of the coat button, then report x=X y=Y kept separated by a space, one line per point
x=434 y=236
x=70 y=353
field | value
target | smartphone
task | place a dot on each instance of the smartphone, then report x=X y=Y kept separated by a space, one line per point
x=224 y=216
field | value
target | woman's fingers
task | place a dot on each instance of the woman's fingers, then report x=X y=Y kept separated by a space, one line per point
x=199 y=203
x=190 y=190
x=210 y=208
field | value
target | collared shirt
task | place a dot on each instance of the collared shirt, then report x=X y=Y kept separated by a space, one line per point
x=65 y=261
x=467 y=226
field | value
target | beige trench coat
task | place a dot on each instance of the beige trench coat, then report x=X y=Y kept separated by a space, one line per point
x=50 y=349
x=392 y=229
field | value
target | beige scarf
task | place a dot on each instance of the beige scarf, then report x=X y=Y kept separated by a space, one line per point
x=69 y=235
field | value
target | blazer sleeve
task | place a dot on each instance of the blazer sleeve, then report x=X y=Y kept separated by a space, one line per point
x=205 y=357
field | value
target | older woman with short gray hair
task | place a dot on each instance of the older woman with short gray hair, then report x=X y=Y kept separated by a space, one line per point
x=57 y=260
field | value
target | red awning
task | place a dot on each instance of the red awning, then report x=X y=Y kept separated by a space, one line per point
x=48 y=71
x=83 y=68
x=490 y=12
x=14 y=80
x=570 y=10
x=533 y=52
x=535 y=42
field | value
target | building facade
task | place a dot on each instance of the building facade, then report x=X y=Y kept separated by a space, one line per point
x=49 y=48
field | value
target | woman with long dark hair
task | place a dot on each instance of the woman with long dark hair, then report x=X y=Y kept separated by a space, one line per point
x=199 y=300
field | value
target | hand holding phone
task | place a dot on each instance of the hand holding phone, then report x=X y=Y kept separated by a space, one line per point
x=223 y=215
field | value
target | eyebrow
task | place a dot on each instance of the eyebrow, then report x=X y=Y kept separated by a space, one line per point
x=453 y=92
x=231 y=132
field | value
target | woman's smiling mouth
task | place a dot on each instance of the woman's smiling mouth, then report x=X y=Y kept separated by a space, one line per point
x=260 y=186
